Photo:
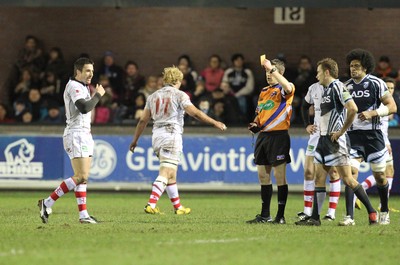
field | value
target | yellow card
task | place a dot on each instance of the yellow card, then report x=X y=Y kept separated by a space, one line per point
x=262 y=59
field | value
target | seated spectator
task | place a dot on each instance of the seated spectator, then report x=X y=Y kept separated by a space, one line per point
x=384 y=68
x=113 y=71
x=23 y=85
x=188 y=83
x=27 y=117
x=57 y=65
x=107 y=105
x=140 y=102
x=4 y=114
x=51 y=89
x=232 y=106
x=102 y=113
x=20 y=107
x=199 y=91
x=218 y=111
x=133 y=81
x=31 y=58
x=54 y=113
x=36 y=104
x=241 y=82
x=232 y=113
x=305 y=76
x=160 y=81
x=150 y=87
x=185 y=60
x=205 y=106
x=213 y=74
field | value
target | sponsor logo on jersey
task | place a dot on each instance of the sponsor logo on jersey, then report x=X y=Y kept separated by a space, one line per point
x=360 y=94
x=267 y=105
x=326 y=99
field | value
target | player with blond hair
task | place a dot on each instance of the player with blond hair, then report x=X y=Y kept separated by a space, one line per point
x=167 y=107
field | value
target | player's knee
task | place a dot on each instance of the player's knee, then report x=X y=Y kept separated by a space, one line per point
x=81 y=178
x=378 y=167
x=169 y=163
x=308 y=174
x=264 y=179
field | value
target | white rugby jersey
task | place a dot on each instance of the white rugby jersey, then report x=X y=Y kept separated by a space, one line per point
x=75 y=90
x=333 y=113
x=314 y=97
x=367 y=95
x=167 y=106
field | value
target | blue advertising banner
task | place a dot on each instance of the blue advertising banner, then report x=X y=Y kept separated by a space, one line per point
x=227 y=159
x=206 y=159
x=31 y=157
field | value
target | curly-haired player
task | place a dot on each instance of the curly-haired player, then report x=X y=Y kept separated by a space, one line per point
x=367 y=142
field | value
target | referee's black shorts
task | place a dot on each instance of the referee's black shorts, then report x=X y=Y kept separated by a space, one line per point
x=272 y=148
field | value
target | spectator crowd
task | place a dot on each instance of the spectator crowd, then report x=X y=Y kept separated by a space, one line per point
x=227 y=94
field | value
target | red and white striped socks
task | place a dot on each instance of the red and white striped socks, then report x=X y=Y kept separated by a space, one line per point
x=172 y=191
x=309 y=187
x=158 y=189
x=369 y=182
x=80 y=194
x=65 y=187
x=334 y=195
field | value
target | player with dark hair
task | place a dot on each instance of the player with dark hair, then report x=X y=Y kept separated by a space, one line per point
x=374 y=101
x=370 y=181
x=332 y=148
x=364 y=57
x=272 y=147
x=78 y=141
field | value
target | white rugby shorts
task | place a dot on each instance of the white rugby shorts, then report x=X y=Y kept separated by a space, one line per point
x=312 y=144
x=78 y=144
x=167 y=145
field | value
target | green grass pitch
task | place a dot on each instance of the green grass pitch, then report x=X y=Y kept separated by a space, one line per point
x=214 y=233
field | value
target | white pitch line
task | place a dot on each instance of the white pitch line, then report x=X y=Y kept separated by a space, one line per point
x=12 y=252
x=212 y=241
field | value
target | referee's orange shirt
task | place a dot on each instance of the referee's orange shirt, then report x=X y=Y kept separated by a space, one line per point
x=274 y=108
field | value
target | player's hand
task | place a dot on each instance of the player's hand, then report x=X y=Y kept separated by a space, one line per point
x=365 y=115
x=100 y=89
x=220 y=126
x=267 y=65
x=335 y=136
x=389 y=148
x=311 y=129
x=132 y=147
x=253 y=127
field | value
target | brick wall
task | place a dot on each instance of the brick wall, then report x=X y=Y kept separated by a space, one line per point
x=155 y=37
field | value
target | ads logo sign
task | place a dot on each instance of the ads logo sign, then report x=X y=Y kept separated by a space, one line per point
x=104 y=160
x=18 y=164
